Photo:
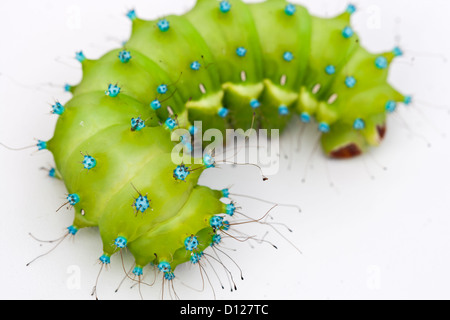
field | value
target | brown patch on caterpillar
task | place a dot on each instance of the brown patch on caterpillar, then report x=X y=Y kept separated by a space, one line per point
x=349 y=151
x=381 y=131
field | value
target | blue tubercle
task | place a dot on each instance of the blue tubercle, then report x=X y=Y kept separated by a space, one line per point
x=132 y=15
x=225 y=193
x=141 y=203
x=169 y=276
x=408 y=100
x=216 y=222
x=209 y=161
x=186 y=141
x=254 y=103
x=181 y=172
x=120 y=242
x=155 y=104
x=195 y=257
x=241 y=52
x=381 y=62
x=288 y=56
x=191 y=243
x=42 y=145
x=170 y=124
x=193 y=130
x=162 y=89
x=350 y=82
x=164 y=267
x=230 y=209
x=125 y=56
x=137 y=124
x=89 y=162
x=359 y=124
x=113 y=91
x=52 y=173
x=58 y=108
x=330 y=69
x=105 y=259
x=163 y=25
x=226 y=226
x=397 y=51
x=223 y=112
x=224 y=6
x=138 y=271
x=73 y=199
x=216 y=239
x=80 y=56
x=290 y=9
x=72 y=230
x=283 y=110
x=305 y=117
x=391 y=106
x=67 y=87
x=351 y=8
x=324 y=127
x=195 y=65
x=347 y=32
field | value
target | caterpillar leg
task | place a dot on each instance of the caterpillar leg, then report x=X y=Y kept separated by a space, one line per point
x=345 y=141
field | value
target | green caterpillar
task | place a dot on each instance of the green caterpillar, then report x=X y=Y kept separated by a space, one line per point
x=229 y=65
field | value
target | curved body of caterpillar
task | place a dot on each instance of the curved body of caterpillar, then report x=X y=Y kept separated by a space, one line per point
x=227 y=64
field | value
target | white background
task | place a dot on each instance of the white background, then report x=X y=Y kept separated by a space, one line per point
x=372 y=234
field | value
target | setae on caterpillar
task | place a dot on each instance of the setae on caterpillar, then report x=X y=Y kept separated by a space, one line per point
x=128 y=88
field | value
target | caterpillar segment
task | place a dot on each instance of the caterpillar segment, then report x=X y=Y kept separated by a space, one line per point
x=193 y=228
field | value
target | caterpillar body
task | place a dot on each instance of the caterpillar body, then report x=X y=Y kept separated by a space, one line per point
x=229 y=65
